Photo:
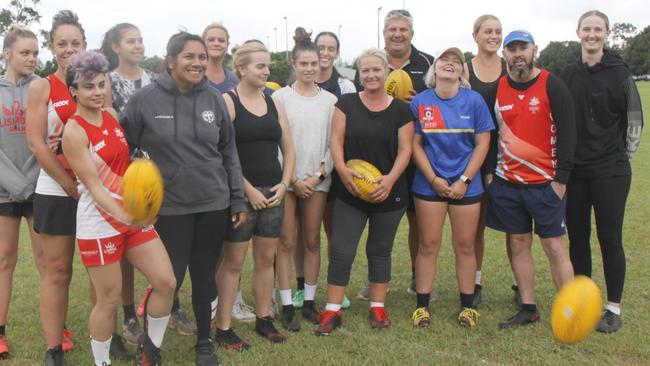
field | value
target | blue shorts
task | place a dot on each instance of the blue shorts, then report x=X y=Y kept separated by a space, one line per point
x=513 y=210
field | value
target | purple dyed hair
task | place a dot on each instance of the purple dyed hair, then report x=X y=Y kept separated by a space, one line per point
x=85 y=65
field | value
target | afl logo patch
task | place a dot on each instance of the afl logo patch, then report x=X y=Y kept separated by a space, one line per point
x=208 y=116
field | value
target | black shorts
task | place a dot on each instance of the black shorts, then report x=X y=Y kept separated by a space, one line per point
x=16 y=209
x=461 y=202
x=266 y=223
x=55 y=215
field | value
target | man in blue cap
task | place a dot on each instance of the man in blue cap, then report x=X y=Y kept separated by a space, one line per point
x=537 y=137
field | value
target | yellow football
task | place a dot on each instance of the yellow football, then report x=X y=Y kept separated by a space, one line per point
x=368 y=173
x=273 y=85
x=398 y=84
x=576 y=310
x=142 y=190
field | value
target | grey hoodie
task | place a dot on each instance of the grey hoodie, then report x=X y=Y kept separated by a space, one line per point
x=191 y=138
x=18 y=166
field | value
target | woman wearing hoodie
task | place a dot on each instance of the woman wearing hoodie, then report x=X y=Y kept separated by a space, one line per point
x=204 y=189
x=608 y=123
x=19 y=167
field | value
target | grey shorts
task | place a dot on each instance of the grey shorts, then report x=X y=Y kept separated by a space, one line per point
x=266 y=223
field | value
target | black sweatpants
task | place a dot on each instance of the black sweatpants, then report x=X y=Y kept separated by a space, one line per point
x=607 y=196
x=347 y=227
x=195 y=240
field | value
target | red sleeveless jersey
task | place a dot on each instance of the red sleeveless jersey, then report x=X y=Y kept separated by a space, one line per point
x=527 y=133
x=62 y=106
x=110 y=153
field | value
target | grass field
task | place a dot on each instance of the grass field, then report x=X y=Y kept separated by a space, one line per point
x=443 y=343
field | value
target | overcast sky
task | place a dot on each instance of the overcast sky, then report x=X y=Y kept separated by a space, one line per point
x=438 y=24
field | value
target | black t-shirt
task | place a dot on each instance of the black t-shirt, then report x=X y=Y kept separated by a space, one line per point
x=372 y=136
x=258 y=139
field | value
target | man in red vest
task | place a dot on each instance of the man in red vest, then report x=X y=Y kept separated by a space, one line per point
x=537 y=138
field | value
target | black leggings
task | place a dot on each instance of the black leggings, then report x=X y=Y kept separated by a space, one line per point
x=195 y=240
x=347 y=227
x=607 y=196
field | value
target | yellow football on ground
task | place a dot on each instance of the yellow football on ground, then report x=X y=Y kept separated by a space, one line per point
x=398 y=84
x=368 y=173
x=576 y=310
x=142 y=190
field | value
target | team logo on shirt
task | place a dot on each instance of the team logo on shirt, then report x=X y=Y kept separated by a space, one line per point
x=533 y=105
x=105 y=132
x=118 y=132
x=110 y=248
x=208 y=116
x=430 y=118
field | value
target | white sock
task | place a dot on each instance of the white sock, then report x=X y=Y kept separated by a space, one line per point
x=213 y=305
x=285 y=296
x=310 y=291
x=613 y=307
x=376 y=304
x=477 y=278
x=156 y=329
x=101 y=351
x=238 y=297
x=332 y=307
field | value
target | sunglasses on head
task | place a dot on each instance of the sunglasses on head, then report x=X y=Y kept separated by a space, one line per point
x=402 y=12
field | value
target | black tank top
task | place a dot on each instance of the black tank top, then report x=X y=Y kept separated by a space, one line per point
x=258 y=140
x=489 y=93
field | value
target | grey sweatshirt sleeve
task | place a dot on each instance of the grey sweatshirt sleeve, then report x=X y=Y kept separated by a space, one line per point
x=634 y=116
x=20 y=188
x=131 y=122
x=231 y=163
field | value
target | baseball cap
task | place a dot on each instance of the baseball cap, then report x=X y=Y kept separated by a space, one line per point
x=456 y=51
x=518 y=35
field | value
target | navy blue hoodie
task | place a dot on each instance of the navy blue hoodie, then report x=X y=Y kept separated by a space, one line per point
x=191 y=138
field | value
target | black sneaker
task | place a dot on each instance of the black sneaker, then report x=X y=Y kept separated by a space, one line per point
x=119 y=350
x=522 y=317
x=310 y=314
x=205 y=355
x=54 y=357
x=289 y=319
x=610 y=322
x=148 y=354
x=477 y=296
x=228 y=339
x=515 y=289
x=265 y=328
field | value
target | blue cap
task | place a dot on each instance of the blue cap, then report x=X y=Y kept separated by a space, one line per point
x=518 y=35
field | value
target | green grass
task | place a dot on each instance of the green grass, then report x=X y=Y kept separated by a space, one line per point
x=443 y=343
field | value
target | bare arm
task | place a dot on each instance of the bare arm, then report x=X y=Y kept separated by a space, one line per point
x=36 y=128
x=75 y=148
x=423 y=164
x=288 y=158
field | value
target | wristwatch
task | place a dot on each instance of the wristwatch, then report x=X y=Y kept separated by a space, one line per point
x=465 y=180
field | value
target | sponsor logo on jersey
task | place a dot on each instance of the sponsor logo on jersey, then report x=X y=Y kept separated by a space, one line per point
x=464 y=117
x=521 y=96
x=105 y=132
x=430 y=117
x=100 y=145
x=208 y=116
x=533 y=105
x=61 y=103
x=118 y=132
x=163 y=116
x=507 y=107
